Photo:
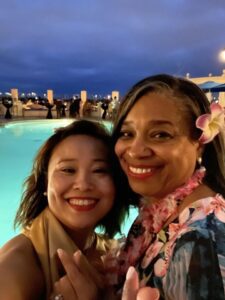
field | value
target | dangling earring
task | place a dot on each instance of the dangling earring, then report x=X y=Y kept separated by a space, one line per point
x=199 y=160
x=45 y=194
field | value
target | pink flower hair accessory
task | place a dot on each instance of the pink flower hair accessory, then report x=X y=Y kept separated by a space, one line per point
x=211 y=124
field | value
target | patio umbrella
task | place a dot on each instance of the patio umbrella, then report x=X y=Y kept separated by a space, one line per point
x=218 y=88
x=209 y=85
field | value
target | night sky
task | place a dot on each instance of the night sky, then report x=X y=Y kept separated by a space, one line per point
x=105 y=45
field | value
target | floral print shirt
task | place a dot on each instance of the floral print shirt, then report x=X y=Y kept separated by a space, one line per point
x=186 y=259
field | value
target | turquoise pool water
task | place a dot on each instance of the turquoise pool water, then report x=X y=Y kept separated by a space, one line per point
x=19 y=142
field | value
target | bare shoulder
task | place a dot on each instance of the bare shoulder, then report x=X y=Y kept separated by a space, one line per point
x=20 y=273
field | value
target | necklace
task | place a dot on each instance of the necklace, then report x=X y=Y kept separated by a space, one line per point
x=151 y=219
x=154 y=215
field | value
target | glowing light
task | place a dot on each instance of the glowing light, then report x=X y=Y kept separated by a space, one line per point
x=222 y=55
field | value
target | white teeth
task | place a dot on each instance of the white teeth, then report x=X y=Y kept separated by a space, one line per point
x=140 y=170
x=81 y=202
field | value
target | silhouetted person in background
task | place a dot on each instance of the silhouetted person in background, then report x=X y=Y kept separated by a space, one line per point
x=49 y=107
x=74 y=108
x=58 y=108
x=8 y=104
x=104 y=106
x=63 y=109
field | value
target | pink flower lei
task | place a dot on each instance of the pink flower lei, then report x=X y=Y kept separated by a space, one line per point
x=152 y=217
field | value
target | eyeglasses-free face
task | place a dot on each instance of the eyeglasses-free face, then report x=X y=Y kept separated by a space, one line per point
x=80 y=187
x=154 y=147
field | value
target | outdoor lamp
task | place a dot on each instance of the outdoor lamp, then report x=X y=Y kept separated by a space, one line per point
x=222 y=55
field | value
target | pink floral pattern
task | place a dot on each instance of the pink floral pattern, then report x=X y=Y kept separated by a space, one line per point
x=207 y=206
x=144 y=235
x=163 y=253
x=151 y=253
x=198 y=211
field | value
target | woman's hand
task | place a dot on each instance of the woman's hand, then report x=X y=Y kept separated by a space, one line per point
x=64 y=287
x=81 y=282
x=131 y=290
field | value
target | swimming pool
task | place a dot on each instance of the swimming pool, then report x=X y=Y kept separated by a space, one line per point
x=19 y=142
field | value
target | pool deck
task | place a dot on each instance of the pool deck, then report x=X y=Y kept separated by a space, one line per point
x=4 y=121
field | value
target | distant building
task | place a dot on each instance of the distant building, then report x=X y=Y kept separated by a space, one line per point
x=210 y=78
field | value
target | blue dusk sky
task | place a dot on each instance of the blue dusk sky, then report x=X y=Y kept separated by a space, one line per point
x=105 y=45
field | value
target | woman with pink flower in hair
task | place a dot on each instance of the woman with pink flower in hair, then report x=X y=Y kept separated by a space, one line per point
x=169 y=141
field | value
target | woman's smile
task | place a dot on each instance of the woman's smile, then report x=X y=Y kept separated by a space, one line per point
x=84 y=204
x=140 y=172
x=79 y=181
x=154 y=145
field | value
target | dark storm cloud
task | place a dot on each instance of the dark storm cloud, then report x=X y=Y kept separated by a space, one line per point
x=102 y=45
